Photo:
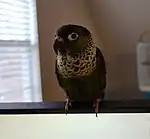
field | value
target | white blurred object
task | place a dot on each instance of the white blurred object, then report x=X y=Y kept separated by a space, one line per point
x=143 y=62
x=75 y=126
x=19 y=56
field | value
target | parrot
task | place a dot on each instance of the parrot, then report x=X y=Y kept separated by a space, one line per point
x=79 y=66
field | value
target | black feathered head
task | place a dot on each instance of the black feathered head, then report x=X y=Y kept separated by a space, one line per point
x=72 y=39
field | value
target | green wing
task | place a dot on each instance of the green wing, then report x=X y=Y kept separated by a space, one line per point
x=101 y=68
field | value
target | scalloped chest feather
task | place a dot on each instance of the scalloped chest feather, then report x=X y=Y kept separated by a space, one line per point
x=80 y=65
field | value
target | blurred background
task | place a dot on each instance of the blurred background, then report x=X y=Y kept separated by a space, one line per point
x=115 y=24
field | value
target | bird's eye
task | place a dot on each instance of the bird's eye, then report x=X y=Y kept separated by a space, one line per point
x=72 y=36
x=59 y=38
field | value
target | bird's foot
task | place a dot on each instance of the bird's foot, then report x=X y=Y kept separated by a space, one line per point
x=67 y=105
x=96 y=106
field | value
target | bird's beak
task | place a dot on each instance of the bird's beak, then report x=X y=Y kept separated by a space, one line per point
x=58 y=46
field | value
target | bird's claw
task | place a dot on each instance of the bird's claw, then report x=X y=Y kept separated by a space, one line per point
x=96 y=110
x=67 y=105
x=96 y=106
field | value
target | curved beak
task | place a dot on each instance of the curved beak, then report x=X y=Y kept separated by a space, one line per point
x=59 y=46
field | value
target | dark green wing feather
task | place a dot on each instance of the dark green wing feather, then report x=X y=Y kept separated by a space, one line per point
x=101 y=68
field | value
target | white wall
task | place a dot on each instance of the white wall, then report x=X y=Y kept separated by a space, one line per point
x=119 y=24
x=116 y=126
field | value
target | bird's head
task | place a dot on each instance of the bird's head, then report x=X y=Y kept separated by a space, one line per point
x=72 y=39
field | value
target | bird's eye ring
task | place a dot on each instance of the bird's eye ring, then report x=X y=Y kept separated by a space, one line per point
x=72 y=36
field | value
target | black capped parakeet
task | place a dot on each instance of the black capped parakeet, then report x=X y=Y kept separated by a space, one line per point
x=80 y=66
